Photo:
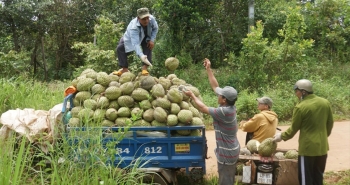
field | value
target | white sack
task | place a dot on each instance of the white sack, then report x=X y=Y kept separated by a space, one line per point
x=33 y=124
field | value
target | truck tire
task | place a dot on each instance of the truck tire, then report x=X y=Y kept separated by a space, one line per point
x=154 y=179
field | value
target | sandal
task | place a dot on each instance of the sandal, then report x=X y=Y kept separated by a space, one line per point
x=145 y=72
x=119 y=72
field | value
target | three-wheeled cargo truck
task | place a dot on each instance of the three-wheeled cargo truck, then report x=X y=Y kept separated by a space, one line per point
x=157 y=151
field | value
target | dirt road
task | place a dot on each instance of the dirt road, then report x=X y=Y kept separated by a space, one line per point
x=338 y=154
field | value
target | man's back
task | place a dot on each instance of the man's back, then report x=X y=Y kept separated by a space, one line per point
x=313 y=117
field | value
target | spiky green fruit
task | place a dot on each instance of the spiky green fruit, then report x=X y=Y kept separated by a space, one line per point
x=102 y=102
x=140 y=94
x=174 y=95
x=111 y=114
x=113 y=93
x=267 y=147
x=160 y=114
x=185 y=116
x=253 y=145
x=172 y=120
x=85 y=84
x=291 y=154
x=126 y=101
x=171 y=63
x=127 y=88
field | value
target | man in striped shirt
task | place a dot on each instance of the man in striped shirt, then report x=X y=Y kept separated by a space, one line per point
x=225 y=125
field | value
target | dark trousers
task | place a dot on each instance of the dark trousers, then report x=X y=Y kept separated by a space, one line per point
x=226 y=174
x=123 y=56
x=248 y=137
x=311 y=169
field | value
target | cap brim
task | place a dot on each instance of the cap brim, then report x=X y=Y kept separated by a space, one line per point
x=218 y=90
x=146 y=15
x=259 y=100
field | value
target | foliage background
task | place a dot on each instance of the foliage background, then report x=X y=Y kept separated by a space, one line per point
x=53 y=41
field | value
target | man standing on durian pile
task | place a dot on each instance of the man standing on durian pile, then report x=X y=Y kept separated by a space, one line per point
x=225 y=125
x=139 y=37
x=263 y=125
x=313 y=117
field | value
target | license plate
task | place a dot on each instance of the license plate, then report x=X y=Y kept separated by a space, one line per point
x=264 y=178
x=183 y=148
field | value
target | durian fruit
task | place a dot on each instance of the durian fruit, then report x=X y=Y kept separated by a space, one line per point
x=148 y=115
x=171 y=63
x=113 y=93
x=136 y=113
x=82 y=96
x=99 y=115
x=197 y=121
x=239 y=168
x=166 y=83
x=122 y=121
x=160 y=115
x=141 y=123
x=184 y=105
x=126 y=101
x=267 y=147
x=291 y=154
x=156 y=123
x=183 y=132
x=163 y=102
x=127 y=88
x=97 y=89
x=175 y=108
x=111 y=114
x=102 y=102
x=244 y=151
x=107 y=123
x=124 y=112
x=90 y=103
x=85 y=84
x=147 y=82
x=108 y=100
x=126 y=77
x=174 y=95
x=172 y=120
x=145 y=104
x=103 y=78
x=185 y=116
x=74 y=122
x=158 y=91
x=75 y=111
x=140 y=94
x=279 y=155
x=253 y=146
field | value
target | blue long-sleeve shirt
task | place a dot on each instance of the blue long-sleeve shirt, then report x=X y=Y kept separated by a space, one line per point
x=135 y=33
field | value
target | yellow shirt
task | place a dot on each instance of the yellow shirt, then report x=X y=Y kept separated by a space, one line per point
x=263 y=125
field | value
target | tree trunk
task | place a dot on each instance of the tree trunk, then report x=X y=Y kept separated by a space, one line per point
x=43 y=56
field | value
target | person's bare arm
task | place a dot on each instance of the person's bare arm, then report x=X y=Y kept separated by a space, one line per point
x=212 y=80
x=201 y=106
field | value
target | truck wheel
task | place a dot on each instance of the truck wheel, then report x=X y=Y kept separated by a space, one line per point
x=196 y=175
x=154 y=179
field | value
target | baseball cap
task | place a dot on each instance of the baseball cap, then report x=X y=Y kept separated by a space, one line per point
x=265 y=100
x=143 y=12
x=229 y=92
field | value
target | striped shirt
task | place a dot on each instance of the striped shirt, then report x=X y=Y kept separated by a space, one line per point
x=225 y=125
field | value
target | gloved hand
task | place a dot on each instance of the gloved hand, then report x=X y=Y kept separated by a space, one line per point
x=277 y=137
x=144 y=59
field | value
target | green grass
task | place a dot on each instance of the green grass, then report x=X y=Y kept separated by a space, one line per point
x=337 y=178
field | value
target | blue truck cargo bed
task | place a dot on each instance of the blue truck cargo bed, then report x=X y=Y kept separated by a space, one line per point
x=161 y=151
